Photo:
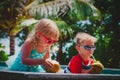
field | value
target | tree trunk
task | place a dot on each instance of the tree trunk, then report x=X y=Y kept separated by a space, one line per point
x=12 y=45
x=59 y=52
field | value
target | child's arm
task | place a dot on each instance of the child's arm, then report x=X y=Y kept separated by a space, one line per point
x=26 y=50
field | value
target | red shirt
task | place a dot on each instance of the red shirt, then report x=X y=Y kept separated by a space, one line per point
x=76 y=63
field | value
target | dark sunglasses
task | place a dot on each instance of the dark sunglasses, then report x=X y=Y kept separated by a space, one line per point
x=88 y=47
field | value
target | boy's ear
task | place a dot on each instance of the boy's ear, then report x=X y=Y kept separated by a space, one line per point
x=77 y=48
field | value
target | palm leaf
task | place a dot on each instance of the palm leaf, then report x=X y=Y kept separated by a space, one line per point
x=76 y=9
x=47 y=9
x=65 y=31
x=83 y=11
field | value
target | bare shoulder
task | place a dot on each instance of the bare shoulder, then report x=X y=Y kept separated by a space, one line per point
x=28 y=44
x=27 y=48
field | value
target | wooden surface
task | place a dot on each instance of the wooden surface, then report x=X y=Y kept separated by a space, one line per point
x=16 y=75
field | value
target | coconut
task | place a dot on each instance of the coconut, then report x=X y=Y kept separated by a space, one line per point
x=97 y=67
x=55 y=68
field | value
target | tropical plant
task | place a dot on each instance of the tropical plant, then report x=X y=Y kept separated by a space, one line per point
x=108 y=32
x=3 y=54
x=10 y=17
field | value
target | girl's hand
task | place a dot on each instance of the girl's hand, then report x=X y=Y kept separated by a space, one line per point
x=56 y=68
x=47 y=63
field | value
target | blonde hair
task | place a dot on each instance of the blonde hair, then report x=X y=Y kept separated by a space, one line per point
x=47 y=27
x=82 y=36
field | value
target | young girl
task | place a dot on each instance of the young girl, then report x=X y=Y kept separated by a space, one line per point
x=35 y=53
x=81 y=63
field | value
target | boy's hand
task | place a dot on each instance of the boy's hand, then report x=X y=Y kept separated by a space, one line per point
x=97 y=67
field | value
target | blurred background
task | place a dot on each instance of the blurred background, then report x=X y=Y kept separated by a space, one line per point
x=99 y=18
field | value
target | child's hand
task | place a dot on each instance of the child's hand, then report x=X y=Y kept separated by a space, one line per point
x=97 y=67
x=47 y=63
x=55 y=68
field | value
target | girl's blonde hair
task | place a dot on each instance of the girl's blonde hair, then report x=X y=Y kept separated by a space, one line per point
x=82 y=36
x=47 y=27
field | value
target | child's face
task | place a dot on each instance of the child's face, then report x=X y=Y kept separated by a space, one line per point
x=86 y=49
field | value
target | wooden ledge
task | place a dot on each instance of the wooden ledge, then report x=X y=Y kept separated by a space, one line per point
x=16 y=75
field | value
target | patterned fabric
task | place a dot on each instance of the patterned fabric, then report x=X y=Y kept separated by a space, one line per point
x=77 y=65
x=19 y=66
x=67 y=70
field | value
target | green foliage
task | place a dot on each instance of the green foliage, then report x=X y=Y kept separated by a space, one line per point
x=83 y=11
x=2 y=46
x=72 y=51
x=109 y=34
x=65 y=32
x=3 y=56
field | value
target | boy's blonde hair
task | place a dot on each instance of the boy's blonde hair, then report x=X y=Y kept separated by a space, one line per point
x=47 y=27
x=82 y=36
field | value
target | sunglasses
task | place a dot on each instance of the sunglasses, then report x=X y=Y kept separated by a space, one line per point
x=47 y=40
x=88 y=47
